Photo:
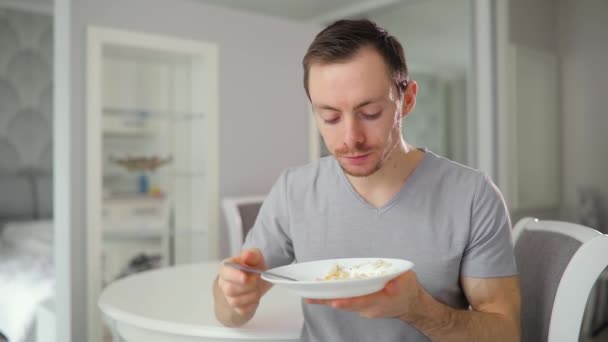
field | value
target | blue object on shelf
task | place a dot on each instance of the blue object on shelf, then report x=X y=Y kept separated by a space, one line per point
x=143 y=183
x=142 y=114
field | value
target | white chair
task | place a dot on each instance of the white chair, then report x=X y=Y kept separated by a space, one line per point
x=240 y=213
x=558 y=264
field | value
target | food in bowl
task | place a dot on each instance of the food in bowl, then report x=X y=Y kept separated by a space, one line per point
x=359 y=271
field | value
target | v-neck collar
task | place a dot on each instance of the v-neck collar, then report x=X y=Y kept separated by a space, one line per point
x=404 y=187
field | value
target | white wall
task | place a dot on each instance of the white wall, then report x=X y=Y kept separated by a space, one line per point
x=531 y=27
x=263 y=109
x=583 y=47
x=435 y=34
x=576 y=30
x=532 y=23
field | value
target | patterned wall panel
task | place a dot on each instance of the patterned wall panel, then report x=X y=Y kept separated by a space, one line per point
x=26 y=91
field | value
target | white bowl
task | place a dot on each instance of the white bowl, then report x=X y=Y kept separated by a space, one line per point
x=310 y=275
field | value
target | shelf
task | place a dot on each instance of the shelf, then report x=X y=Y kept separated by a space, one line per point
x=132 y=196
x=145 y=114
x=130 y=122
x=188 y=174
x=135 y=233
x=142 y=232
x=179 y=233
x=177 y=174
x=114 y=126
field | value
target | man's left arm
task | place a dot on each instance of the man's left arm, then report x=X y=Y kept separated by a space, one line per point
x=494 y=313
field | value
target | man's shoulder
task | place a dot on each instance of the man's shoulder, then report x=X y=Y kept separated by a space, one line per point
x=453 y=174
x=314 y=176
x=453 y=170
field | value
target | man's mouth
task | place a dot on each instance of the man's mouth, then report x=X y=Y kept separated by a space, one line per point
x=357 y=158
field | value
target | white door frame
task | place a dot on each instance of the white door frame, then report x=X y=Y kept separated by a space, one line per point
x=504 y=117
x=481 y=149
x=67 y=209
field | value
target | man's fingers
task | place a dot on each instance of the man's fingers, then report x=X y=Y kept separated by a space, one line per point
x=392 y=288
x=252 y=257
x=353 y=303
x=232 y=275
x=233 y=290
x=246 y=309
x=244 y=301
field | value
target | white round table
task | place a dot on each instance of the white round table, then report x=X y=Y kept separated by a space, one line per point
x=176 y=304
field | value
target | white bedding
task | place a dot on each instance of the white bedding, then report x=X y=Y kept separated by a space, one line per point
x=26 y=275
x=35 y=237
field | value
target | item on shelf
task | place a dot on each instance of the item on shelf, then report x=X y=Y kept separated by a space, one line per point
x=141 y=262
x=143 y=183
x=141 y=163
x=155 y=191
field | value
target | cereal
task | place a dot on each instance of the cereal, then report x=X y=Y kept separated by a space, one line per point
x=361 y=271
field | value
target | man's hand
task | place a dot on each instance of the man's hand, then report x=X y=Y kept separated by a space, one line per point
x=398 y=299
x=240 y=291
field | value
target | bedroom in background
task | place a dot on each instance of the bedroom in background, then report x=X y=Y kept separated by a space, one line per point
x=26 y=169
x=148 y=168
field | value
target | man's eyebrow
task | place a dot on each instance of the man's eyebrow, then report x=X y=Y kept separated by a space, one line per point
x=362 y=104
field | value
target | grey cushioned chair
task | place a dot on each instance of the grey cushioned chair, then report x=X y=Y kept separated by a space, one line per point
x=558 y=264
x=240 y=213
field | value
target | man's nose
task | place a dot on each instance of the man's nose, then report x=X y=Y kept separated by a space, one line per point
x=354 y=135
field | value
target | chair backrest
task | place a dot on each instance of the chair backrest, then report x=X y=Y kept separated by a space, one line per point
x=240 y=213
x=558 y=264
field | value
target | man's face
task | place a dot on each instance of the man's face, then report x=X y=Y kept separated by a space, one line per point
x=357 y=110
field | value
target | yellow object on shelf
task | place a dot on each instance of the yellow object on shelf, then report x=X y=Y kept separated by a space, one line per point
x=155 y=191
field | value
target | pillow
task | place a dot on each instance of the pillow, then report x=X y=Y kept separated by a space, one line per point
x=16 y=197
x=44 y=196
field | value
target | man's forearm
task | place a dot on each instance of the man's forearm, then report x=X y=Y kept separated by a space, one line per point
x=224 y=313
x=442 y=323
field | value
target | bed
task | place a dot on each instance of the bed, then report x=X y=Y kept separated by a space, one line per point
x=26 y=257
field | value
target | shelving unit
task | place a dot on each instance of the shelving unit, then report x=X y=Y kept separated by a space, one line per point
x=130 y=214
x=150 y=98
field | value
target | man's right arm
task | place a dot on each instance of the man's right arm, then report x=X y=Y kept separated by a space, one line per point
x=236 y=293
x=224 y=312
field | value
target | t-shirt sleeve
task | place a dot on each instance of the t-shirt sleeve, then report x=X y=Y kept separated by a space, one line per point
x=270 y=232
x=489 y=252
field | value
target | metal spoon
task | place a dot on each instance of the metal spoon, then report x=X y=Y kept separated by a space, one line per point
x=253 y=270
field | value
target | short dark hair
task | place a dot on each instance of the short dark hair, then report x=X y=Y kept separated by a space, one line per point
x=341 y=40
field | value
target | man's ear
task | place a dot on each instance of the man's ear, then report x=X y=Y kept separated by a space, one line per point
x=409 y=98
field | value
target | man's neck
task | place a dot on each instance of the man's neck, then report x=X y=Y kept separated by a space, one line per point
x=381 y=186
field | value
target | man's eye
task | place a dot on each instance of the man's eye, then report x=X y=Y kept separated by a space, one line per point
x=331 y=121
x=372 y=116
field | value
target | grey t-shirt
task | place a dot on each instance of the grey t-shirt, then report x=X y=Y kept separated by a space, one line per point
x=450 y=220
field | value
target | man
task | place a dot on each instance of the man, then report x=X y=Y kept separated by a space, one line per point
x=377 y=196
